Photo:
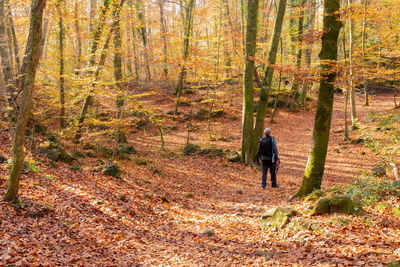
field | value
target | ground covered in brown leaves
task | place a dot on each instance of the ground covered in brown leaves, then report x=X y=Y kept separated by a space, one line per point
x=171 y=209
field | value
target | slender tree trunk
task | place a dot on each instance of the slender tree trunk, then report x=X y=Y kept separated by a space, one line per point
x=143 y=34
x=9 y=36
x=61 y=36
x=14 y=36
x=292 y=29
x=128 y=54
x=366 y=100
x=96 y=34
x=243 y=23
x=135 y=55
x=346 y=92
x=186 y=42
x=118 y=70
x=308 y=52
x=92 y=15
x=216 y=76
x=299 y=56
x=44 y=33
x=248 y=79
x=78 y=37
x=279 y=84
x=352 y=89
x=89 y=98
x=316 y=160
x=5 y=56
x=163 y=37
x=32 y=54
x=267 y=80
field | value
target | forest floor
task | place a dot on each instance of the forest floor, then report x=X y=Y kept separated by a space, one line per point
x=172 y=209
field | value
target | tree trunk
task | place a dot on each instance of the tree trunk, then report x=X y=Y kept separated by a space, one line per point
x=352 y=89
x=135 y=55
x=32 y=54
x=8 y=31
x=308 y=52
x=366 y=100
x=89 y=98
x=44 y=33
x=279 y=84
x=299 y=56
x=267 y=80
x=61 y=37
x=78 y=37
x=292 y=28
x=97 y=33
x=248 y=78
x=316 y=161
x=92 y=14
x=163 y=37
x=243 y=23
x=186 y=42
x=118 y=69
x=14 y=36
x=143 y=34
x=346 y=93
x=5 y=56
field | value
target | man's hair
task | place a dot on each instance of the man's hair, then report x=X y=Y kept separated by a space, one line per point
x=267 y=131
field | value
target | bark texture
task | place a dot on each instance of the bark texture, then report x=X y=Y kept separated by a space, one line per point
x=32 y=54
x=61 y=81
x=248 y=86
x=316 y=161
x=186 y=42
x=6 y=57
x=267 y=79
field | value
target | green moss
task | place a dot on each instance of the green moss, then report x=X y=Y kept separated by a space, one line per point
x=75 y=167
x=322 y=207
x=277 y=217
x=316 y=194
x=190 y=149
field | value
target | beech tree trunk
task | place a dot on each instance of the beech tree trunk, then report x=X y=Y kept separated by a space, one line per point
x=44 y=33
x=308 y=51
x=89 y=98
x=61 y=81
x=346 y=92
x=316 y=160
x=5 y=56
x=351 y=85
x=96 y=34
x=32 y=54
x=92 y=15
x=248 y=79
x=366 y=99
x=143 y=34
x=78 y=37
x=118 y=69
x=299 y=55
x=186 y=42
x=267 y=80
x=135 y=52
x=14 y=36
x=163 y=37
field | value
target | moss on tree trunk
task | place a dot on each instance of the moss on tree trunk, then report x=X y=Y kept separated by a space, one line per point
x=248 y=86
x=267 y=79
x=32 y=54
x=316 y=161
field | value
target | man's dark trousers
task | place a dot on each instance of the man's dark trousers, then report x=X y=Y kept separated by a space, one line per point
x=267 y=164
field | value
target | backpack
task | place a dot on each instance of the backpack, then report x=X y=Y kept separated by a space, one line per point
x=266 y=147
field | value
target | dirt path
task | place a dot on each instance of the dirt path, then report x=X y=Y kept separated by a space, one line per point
x=185 y=210
x=228 y=201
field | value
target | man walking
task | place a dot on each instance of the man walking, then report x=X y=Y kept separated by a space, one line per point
x=268 y=153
